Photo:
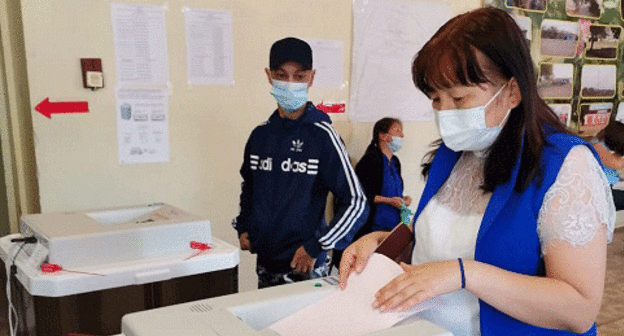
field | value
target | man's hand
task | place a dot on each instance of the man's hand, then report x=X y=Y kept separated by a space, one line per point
x=302 y=261
x=243 y=239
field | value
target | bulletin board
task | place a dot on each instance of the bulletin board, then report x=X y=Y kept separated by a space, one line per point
x=577 y=48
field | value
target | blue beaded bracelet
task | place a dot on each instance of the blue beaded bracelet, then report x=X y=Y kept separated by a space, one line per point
x=463 y=275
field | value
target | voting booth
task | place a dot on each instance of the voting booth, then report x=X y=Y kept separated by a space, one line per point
x=111 y=262
x=252 y=313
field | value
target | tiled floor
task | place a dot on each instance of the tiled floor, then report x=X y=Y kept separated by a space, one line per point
x=610 y=319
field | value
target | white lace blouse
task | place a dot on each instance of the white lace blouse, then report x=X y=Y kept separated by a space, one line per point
x=575 y=207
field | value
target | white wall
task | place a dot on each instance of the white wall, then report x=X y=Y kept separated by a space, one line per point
x=76 y=155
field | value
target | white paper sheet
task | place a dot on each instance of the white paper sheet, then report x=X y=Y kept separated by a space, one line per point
x=140 y=44
x=349 y=312
x=328 y=61
x=143 y=125
x=620 y=113
x=209 y=46
x=386 y=37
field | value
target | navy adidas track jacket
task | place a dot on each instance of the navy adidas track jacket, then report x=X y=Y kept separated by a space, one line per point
x=288 y=169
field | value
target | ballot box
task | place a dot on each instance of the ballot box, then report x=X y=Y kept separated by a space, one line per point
x=112 y=262
x=251 y=313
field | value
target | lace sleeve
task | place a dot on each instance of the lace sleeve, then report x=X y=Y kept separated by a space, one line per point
x=578 y=203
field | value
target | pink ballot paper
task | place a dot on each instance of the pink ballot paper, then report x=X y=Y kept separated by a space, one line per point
x=350 y=311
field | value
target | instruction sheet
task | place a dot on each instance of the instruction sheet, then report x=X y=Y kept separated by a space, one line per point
x=143 y=125
x=209 y=47
x=140 y=44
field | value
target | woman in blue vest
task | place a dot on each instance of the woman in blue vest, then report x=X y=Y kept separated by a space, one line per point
x=512 y=226
x=379 y=172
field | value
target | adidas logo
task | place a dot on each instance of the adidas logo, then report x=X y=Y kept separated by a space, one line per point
x=297 y=144
x=309 y=167
x=257 y=164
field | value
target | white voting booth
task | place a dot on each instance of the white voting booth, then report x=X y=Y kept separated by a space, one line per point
x=138 y=257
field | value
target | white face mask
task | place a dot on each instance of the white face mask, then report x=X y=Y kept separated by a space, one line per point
x=466 y=130
x=290 y=95
x=396 y=144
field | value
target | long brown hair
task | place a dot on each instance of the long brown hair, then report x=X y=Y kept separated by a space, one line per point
x=495 y=34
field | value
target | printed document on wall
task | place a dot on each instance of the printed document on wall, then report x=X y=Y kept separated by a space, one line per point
x=209 y=47
x=140 y=44
x=143 y=125
x=386 y=37
x=328 y=62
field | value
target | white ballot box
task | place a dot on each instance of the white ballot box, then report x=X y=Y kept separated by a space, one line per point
x=251 y=313
x=128 y=259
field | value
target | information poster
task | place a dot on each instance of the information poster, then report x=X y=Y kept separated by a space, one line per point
x=209 y=47
x=140 y=44
x=328 y=62
x=386 y=37
x=143 y=125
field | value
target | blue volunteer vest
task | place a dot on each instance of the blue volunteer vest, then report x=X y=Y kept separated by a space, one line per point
x=508 y=235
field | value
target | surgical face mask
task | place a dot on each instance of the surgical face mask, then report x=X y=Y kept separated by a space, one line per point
x=290 y=95
x=396 y=144
x=466 y=130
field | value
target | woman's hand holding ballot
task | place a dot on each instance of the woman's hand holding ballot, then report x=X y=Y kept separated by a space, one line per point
x=418 y=284
x=355 y=257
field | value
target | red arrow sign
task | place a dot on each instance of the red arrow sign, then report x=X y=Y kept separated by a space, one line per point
x=46 y=107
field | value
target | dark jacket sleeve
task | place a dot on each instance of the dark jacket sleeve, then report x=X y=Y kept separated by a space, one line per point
x=352 y=208
x=369 y=171
x=241 y=222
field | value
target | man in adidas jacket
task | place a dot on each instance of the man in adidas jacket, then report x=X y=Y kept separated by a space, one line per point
x=290 y=164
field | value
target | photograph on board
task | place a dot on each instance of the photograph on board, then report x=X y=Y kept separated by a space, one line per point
x=584 y=8
x=559 y=38
x=602 y=42
x=619 y=116
x=593 y=117
x=598 y=81
x=563 y=111
x=526 y=26
x=555 y=80
x=532 y=5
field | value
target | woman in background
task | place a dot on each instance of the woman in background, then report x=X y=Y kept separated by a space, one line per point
x=609 y=143
x=379 y=172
